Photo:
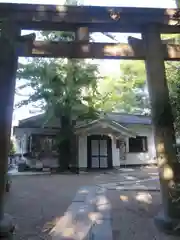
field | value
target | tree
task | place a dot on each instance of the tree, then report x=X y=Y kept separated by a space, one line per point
x=126 y=93
x=173 y=78
x=60 y=90
x=133 y=77
x=129 y=93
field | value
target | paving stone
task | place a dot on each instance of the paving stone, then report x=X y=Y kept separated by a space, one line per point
x=103 y=206
x=102 y=230
x=100 y=190
x=67 y=220
x=80 y=197
x=77 y=229
x=80 y=215
x=136 y=188
x=91 y=197
x=83 y=192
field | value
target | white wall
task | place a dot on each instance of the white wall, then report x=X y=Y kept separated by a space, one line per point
x=141 y=158
x=82 y=151
x=21 y=144
x=115 y=153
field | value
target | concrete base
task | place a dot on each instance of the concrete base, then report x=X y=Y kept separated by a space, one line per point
x=168 y=225
x=6 y=227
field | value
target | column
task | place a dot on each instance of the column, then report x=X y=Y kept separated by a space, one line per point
x=8 y=66
x=162 y=120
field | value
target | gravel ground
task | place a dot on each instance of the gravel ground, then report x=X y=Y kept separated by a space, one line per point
x=35 y=201
x=133 y=214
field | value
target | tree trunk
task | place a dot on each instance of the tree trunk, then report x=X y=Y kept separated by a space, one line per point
x=65 y=143
x=74 y=151
x=68 y=159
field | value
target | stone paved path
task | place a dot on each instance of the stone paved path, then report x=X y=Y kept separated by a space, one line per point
x=130 y=179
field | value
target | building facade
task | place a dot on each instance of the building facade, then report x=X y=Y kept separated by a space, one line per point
x=114 y=140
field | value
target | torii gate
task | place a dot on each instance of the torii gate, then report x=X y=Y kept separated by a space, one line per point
x=82 y=20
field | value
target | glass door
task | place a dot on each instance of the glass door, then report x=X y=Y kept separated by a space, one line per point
x=99 y=153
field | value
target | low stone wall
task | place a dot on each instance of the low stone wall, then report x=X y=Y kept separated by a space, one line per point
x=87 y=218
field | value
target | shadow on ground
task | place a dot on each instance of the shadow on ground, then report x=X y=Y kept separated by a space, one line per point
x=35 y=201
x=133 y=215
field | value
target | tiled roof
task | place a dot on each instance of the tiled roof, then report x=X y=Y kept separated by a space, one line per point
x=39 y=121
x=129 y=118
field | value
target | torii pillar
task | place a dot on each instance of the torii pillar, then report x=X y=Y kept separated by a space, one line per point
x=8 y=67
x=164 y=133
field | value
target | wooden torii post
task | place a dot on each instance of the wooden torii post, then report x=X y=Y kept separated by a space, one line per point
x=10 y=33
x=8 y=66
x=149 y=22
x=164 y=134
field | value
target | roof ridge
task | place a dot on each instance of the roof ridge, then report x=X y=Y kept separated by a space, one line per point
x=129 y=114
x=30 y=118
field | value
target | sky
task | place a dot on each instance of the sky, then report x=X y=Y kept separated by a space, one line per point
x=106 y=66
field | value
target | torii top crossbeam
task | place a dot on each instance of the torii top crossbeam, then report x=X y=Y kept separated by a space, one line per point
x=97 y=19
x=92 y=19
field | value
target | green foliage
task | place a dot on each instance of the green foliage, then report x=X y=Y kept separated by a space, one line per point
x=126 y=93
x=62 y=89
x=173 y=76
x=129 y=93
x=59 y=86
x=11 y=148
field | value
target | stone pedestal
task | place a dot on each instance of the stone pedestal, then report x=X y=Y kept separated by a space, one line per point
x=167 y=224
x=6 y=227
